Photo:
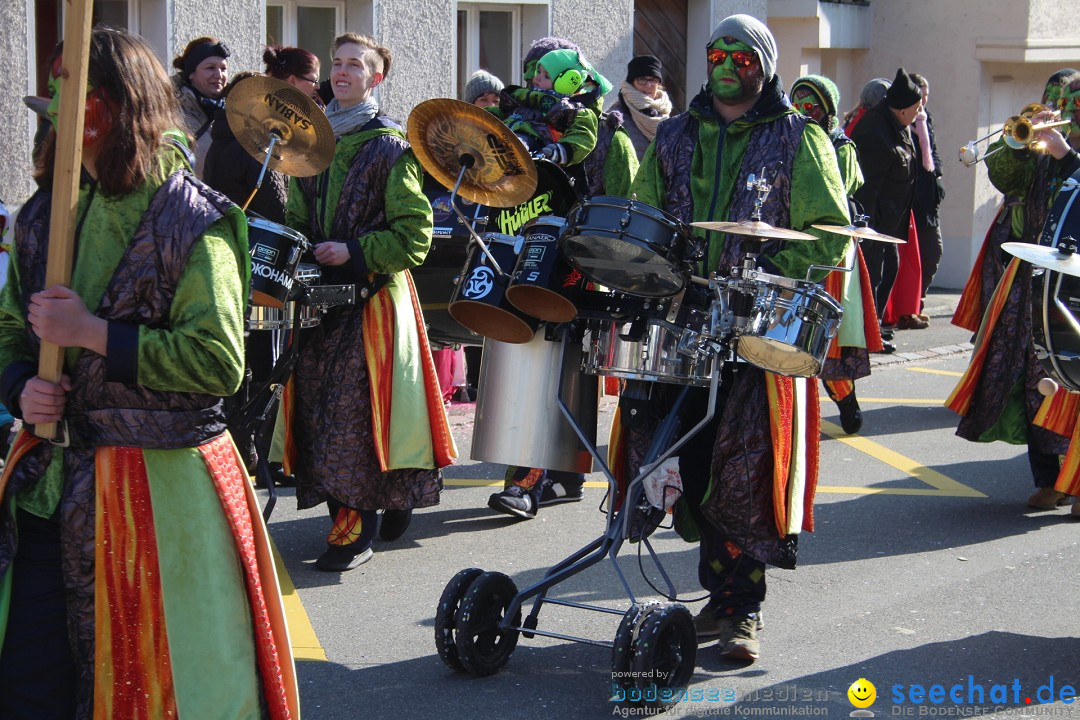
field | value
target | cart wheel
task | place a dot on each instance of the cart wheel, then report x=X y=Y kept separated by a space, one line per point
x=622 y=651
x=447 y=610
x=482 y=647
x=665 y=655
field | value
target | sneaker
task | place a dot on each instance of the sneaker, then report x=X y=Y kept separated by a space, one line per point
x=1047 y=498
x=850 y=414
x=339 y=559
x=514 y=500
x=708 y=625
x=557 y=492
x=743 y=643
x=887 y=333
x=887 y=347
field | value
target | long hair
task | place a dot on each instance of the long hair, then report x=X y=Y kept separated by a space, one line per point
x=281 y=62
x=141 y=104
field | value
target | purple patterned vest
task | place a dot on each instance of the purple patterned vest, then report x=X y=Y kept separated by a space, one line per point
x=141 y=291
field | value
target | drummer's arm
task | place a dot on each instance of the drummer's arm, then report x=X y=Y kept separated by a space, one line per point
x=202 y=350
x=817 y=197
x=407 y=239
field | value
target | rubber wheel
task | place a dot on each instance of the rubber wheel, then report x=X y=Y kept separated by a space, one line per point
x=482 y=647
x=622 y=651
x=445 y=616
x=665 y=655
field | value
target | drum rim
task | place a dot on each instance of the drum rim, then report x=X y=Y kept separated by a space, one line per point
x=280 y=229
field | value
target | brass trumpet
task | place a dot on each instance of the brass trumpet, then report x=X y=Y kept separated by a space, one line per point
x=1018 y=132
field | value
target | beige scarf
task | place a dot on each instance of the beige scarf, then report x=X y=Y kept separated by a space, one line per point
x=647 y=112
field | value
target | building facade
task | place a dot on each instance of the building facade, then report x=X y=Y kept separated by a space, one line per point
x=985 y=59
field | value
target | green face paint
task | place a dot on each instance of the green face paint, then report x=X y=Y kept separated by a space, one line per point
x=725 y=81
x=1070 y=110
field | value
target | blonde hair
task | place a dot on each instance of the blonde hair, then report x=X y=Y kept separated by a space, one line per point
x=376 y=56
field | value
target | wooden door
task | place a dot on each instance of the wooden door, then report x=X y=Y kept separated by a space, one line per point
x=660 y=30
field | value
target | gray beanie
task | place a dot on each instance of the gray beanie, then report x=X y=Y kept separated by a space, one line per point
x=874 y=91
x=753 y=32
x=481 y=82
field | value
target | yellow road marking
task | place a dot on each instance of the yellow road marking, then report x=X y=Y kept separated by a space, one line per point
x=892 y=401
x=499 y=483
x=932 y=371
x=944 y=486
x=305 y=643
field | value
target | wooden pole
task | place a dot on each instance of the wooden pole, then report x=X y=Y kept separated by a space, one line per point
x=66 y=173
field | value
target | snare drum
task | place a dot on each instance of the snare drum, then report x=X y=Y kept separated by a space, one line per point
x=791 y=325
x=630 y=246
x=544 y=285
x=479 y=301
x=1055 y=296
x=262 y=317
x=665 y=353
x=275 y=254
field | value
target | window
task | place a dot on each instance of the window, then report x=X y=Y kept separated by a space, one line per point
x=311 y=24
x=488 y=37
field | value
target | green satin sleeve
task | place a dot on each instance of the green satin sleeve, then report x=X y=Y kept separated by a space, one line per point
x=406 y=240
x=620 y=165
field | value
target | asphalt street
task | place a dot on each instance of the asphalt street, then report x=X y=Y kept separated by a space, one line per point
x=926 y=569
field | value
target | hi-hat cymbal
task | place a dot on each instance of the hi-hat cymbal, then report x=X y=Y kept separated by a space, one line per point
x=259 y=106
x=444 y=133
x=1045 y=257
x=860 y=232
x=755 y=229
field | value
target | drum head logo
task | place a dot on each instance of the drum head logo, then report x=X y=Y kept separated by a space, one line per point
x=265 y=253
x=480 y=283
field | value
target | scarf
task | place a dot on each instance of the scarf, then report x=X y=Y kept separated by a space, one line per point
x=923 y=135
x=344 y=120
x=647 y=112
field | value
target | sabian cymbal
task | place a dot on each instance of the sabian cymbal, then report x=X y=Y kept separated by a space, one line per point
x=1045 y=257
x=446 y=133
x=755 y=229
x=259 y=106
x=860 y=232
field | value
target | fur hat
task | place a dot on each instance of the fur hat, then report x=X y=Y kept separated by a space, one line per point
x=903 y=93
x=753 y=33
x=482 y=82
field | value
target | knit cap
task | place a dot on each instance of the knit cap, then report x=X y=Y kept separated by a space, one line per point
x=874 y=91
x=481 y=82
x=903 y=93
x=752 y=32
x=824 y=88
x=644 y=66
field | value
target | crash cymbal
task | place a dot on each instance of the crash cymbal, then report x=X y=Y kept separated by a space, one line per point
x=860 y=232
x=1045 y=257
x=259 y=106
x=757 y=229
x=443 y=131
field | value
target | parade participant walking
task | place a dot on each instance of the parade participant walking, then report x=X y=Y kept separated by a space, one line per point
x=370 y=429
x=998 y=396
x=697 y=169
x=135 y=572
x=817 y=97
x=202 y=73
x=643 y=102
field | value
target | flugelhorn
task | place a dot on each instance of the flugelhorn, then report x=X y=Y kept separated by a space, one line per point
x=1018 y=132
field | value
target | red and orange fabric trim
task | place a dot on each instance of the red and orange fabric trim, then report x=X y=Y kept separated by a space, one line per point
x=969 y=310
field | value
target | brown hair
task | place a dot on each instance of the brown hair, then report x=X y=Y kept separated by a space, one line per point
x=142 y=107
x=281 y=62
x=376 y=56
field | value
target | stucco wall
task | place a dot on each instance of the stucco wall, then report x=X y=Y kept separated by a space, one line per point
x=421 y=36
x=17 y=129
x=239 y=23
x=604 y=34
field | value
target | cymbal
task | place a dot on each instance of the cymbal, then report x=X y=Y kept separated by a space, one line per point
x=260 y=105
x=443 y=131
x=860 y=232
x=1045 y=257
x=755 y=229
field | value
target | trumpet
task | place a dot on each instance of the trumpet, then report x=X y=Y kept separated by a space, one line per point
x=1018 y=132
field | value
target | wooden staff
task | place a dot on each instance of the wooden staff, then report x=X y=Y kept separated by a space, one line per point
x=66 y=173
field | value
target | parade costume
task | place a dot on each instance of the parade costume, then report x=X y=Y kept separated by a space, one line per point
x=370 y=429
x=157 y=542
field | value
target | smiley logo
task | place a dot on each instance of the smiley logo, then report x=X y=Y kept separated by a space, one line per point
x=862 y=693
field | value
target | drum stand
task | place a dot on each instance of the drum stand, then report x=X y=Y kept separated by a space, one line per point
x=478 y=620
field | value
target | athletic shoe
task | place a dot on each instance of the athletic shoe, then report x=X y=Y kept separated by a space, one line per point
x=514 y=500
x=743 y=644
x=556 y=492
x=339 y=559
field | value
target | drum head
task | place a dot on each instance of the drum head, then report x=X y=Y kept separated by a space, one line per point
x=1055 y=311
x=777 y=357
x=493 y=322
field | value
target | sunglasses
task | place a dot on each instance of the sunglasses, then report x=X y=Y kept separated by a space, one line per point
x=741 y=58
x=807 y=107
x=1066 y=103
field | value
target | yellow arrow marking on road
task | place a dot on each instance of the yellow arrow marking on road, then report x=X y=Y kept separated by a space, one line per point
x=305 y=643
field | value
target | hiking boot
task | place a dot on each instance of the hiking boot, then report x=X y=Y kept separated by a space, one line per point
x=850 y=413
x=912 y=322
x=514 y=500
x=1047 y=498
x=557 y=492
x=743 y=643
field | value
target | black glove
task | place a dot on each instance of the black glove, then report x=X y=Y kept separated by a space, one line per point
x=556 y=153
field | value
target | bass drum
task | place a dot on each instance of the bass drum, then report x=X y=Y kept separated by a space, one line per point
x=1055 y=297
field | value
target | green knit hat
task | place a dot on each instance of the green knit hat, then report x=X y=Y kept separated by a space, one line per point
x=824 y=88
x=569 y=71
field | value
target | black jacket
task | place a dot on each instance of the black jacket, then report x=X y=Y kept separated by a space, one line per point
x=230 y=170
x=887 y=158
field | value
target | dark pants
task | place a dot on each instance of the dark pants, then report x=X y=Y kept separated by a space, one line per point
x=1044 y=467
x=344 y=520
x=37 y=669
x=882 y=264
x=930 y=249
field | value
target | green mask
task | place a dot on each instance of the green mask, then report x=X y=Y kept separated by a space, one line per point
x=724 y=79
